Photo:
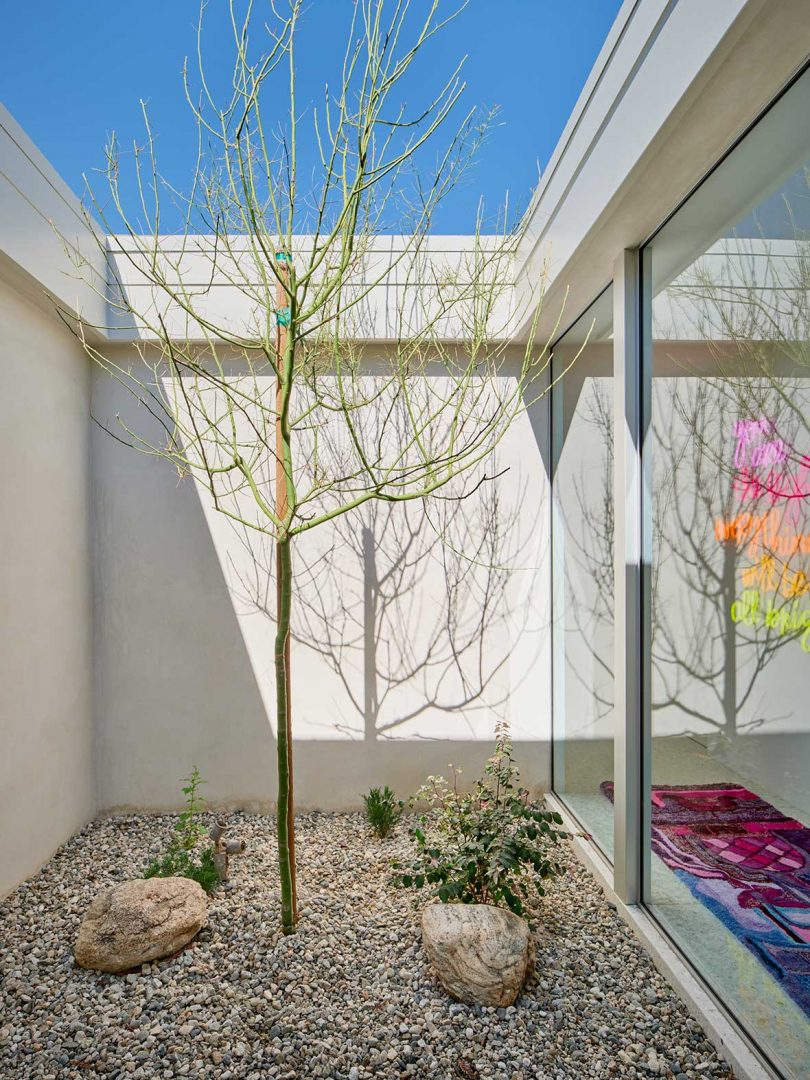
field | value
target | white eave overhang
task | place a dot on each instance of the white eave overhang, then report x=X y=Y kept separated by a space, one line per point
x=40 y=218
x=675 y=85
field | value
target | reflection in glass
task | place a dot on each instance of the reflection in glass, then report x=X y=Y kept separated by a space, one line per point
x=729 y=322
x=582 y=554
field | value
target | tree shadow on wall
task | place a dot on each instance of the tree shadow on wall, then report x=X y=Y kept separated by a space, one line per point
x=708 y=654
x=415 y=608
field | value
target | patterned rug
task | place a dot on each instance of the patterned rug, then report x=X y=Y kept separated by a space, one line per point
x=748 y=863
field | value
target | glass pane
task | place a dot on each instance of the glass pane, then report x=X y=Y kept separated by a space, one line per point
x=582 y=553
x=729 y=278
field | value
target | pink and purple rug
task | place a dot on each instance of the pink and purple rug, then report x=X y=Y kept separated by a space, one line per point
x=747 y=863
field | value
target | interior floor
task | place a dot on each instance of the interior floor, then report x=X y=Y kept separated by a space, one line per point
x=738 y=977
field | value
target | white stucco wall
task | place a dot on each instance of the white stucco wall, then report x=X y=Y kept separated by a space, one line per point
x=47 y=787
x=184 y=668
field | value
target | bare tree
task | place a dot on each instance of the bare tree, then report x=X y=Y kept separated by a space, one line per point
x=277 y=405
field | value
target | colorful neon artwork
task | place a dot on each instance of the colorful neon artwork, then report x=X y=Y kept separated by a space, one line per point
x=785 y=619
x=758 y=447
x=768 y=575
x=761 y=531
x=776 y=487
x=753 y=445
x=767 y=472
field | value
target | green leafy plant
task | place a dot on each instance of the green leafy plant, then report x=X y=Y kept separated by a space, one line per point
x=189 y=830
x=183 y=864
x=180 y=860
x=488 y=846
x=383 y=810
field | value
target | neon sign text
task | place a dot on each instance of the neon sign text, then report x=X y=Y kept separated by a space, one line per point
x=767 y=576
x=752 y=450
x=775 y=487
x=762 y=531
x=764 y=472
x=785 y=620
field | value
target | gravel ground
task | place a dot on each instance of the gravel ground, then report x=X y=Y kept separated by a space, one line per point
x=348 y=997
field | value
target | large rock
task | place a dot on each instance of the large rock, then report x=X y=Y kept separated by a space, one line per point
x=138 y=921
x=481 y=954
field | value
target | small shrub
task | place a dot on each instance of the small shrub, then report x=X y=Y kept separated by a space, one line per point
x=383 y=810
x=490 y=846
x=182 y=864
x=189 y=829
x=180 y=860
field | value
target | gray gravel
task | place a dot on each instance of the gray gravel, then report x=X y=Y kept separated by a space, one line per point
x=348 y=997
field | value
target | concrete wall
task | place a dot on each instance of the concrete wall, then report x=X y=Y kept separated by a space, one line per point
x=47 y=788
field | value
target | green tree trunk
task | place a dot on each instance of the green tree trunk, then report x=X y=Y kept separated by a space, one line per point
x=285 y=825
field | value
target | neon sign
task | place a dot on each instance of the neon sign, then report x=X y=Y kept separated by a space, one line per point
x=766 y=452
x=764 y=472
x=762 y=531
x=785 y=620
x=766 y=576
x=775 y=487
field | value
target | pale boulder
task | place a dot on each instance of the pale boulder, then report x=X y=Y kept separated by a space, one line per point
x=138 y=921
x=481 y=954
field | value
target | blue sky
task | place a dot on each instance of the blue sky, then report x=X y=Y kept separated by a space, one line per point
x=71 y=73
